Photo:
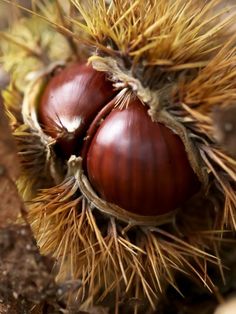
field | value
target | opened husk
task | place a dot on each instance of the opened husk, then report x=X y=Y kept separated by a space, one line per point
x=178 y=58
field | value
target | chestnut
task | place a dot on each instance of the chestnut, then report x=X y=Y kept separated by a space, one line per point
x=138 y=164
x=70 y=101
x=130 y=161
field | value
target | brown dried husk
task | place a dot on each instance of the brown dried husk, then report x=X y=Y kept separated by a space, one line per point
x=124 y=258
x=106 y=253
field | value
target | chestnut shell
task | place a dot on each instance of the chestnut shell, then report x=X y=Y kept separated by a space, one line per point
x=139 y=165
x=70 y=101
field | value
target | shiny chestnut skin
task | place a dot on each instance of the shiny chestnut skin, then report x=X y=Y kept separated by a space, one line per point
x=139 y=165
x=70 y=101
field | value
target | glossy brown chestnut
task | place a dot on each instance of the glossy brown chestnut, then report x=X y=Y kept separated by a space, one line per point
x=139 y=165
x=69 y=103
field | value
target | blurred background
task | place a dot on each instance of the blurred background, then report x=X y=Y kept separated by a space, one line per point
x=8 y=12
